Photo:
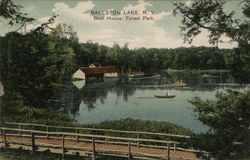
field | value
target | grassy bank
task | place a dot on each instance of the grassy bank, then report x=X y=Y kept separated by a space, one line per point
x=27 y=155
x=141 y=125
x=27 y=114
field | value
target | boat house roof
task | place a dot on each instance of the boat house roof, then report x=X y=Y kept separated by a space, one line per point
x=98 y=70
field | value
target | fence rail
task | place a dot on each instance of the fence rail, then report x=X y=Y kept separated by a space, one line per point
x=36 y=139
x=97 y=129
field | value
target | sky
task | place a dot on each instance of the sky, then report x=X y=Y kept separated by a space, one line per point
x=161 y=30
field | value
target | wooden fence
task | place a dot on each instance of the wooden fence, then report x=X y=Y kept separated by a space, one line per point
x=61 y=134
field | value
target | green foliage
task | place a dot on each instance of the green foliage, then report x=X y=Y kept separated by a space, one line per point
x=141 y=125
x=34 y=64
x=12 y=154
x=65 y=31
x=229 y=119
x=238 y=60
x=28 y=114
x=142 y=59
x=229 y=115
x=212 y=16
x=12 y=13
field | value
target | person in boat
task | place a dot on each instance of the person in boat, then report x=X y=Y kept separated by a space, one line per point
x=166 y=93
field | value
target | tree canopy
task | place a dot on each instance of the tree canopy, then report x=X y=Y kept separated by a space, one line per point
x=228 y=115
x=34 y=64
x=211 y=16
x=12 y=13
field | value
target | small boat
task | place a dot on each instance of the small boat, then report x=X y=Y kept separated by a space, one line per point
x=156 y=76
x=179 y=84
x=205 y=75
x=166 y=96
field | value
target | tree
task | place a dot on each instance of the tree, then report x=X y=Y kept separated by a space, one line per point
x=65 y=31
x=34 y=64
x=211 y=16
x=229 y=119
x=12 y=13
x=228 y=115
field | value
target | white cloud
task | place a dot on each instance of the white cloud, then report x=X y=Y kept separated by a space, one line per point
x=188 y=2
x=139 y=7
x=76 y=14
x=43 y=19
x=226 y=42
x=5 y=28
x=161 y=15
x=160 y=32
x=136 y=33
x=203 y=38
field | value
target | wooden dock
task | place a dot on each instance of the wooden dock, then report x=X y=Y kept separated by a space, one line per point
x=95 y=143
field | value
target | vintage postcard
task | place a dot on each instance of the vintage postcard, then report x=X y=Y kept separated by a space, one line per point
x=124 y=79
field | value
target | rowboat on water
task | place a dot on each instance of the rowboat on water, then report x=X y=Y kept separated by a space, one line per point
x=166 y=96
x=205 y=75
x=179 y=84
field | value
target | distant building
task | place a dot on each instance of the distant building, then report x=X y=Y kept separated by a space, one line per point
x=79 y=75
x=1 y=89
x=96 y=71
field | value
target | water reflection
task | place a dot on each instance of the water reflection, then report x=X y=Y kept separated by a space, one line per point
x=96 y=102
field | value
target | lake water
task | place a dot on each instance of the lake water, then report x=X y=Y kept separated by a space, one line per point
x=102 y=101
x=114 y=100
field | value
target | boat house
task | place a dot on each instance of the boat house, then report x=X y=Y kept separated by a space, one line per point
x=96 y=71
x=78 y=75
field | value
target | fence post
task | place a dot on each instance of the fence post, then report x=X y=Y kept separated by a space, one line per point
x=168 y=150
x=129 y=151
x=5 y=140
x=207 y=156
x=138 y=142
x=63 y=146
x=47 y=132
x=175 y=146
x=93 y=148
x=77 y=137
x=20 y=127
x=106 y=139
x=33 y=145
